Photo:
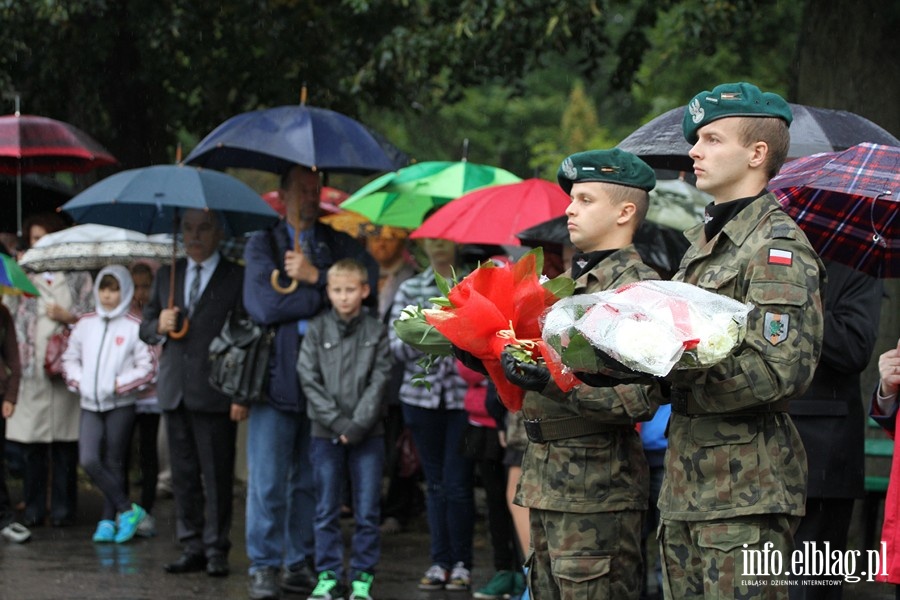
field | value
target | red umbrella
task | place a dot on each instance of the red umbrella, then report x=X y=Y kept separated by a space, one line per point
x=329 y=199
x=31 y=144
x=495 y=214
x=846 y=203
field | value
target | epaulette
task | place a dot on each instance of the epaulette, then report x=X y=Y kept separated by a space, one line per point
x=783 y=230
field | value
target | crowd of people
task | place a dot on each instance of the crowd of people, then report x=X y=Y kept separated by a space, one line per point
x=709 y=464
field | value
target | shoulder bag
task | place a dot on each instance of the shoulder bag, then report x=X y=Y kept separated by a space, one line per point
x=239 y=355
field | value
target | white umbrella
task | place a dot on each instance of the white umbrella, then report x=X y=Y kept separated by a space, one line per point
x=90 y=247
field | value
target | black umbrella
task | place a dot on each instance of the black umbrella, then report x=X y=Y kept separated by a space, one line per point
x=662 y=145
x=660 y=247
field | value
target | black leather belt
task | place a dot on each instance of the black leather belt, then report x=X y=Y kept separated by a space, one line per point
x=541 y=431
x=684 y=404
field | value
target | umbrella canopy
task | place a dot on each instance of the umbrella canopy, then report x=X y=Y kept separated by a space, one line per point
x=32 y=144
x=277 y=138
x=495 y=214
x=13 y=279
x=662 y=145
x=846 y=202
x=329 y=200
x=150 y=199
x=90 y=247
x=402 y=198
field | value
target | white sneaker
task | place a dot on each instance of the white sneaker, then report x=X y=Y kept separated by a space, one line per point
x=460 y=578
x=16 y=532
x=147 y=527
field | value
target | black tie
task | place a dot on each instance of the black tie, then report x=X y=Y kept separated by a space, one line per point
x=195 y=289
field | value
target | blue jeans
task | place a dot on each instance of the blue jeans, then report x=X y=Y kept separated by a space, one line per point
x=280 y=489
x=365 y=462
x=450 y=502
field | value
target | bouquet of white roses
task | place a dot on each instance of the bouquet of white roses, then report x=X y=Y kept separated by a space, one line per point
x=648 y=326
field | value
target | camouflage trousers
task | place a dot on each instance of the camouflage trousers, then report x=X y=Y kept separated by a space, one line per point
x=727 y=559
x=577 y=556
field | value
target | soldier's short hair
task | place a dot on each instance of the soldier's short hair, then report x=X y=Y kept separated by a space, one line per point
x=641 y=200
x=774 y=132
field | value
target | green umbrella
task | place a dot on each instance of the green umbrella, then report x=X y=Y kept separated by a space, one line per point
x=13 y=279
x=402 y=198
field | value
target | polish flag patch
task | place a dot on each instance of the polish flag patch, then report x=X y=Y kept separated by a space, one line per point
x=781 y=257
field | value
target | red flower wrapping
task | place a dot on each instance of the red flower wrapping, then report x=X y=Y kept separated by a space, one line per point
x=494 y=307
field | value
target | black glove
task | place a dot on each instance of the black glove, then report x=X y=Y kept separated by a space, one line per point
x=527 y=376
x=597 y=380
x=469 y=360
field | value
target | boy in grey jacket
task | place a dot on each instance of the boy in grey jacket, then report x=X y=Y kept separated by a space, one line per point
x=344 y=365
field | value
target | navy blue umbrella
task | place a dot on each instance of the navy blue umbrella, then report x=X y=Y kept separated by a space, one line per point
x=151 y=199
x=277 y=138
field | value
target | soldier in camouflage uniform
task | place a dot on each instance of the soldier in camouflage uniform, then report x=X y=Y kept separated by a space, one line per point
x=584 y=474
x=735 y=476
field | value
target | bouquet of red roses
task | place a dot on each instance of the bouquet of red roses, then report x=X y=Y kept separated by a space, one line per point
x=495 y=307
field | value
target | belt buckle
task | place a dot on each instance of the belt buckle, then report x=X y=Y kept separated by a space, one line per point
x=533 y=431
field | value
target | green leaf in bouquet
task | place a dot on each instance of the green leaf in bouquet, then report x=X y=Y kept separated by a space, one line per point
x=440 y=301
x=561 y=287
x=422 y=336
x=579 y=355
x=538 y=259
x=443 y=283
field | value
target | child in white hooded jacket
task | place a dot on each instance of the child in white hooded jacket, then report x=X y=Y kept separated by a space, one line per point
x=106 y=363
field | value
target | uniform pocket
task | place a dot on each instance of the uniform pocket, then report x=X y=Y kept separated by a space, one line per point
x=726 y=537
x=583 y=577
x=577 y=472
x=725 y=461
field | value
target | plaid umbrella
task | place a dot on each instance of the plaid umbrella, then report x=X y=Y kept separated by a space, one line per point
x=846 y=202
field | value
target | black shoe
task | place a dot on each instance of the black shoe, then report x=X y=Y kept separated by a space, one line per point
x=187 y=563
x=217 y=566
x=264 y=584
x=299 y=579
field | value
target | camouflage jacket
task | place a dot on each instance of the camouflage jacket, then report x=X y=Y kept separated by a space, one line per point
x=737 y=452
x=604 y=471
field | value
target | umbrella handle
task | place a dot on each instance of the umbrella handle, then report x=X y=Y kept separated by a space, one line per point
x=177 y=335
x=278 y=287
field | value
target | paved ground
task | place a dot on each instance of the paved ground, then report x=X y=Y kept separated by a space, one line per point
x=65 y=564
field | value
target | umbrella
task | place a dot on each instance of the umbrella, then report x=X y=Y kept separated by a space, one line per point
x=32 y=144
x=90 y=247
x=277 y=138
x=493 y=215
x=846 y=203
x=151 y=199
x=662 y=145
x=13 y=280
x=402 y=198
x=329 y=199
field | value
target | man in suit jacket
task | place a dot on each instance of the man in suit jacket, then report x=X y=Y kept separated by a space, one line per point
x=201 y=423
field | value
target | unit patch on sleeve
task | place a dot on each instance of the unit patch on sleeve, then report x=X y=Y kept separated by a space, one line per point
x=781 y=257
x=776 y=327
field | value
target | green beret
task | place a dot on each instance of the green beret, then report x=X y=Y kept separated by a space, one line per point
x=608 y=166
x=732 y=100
